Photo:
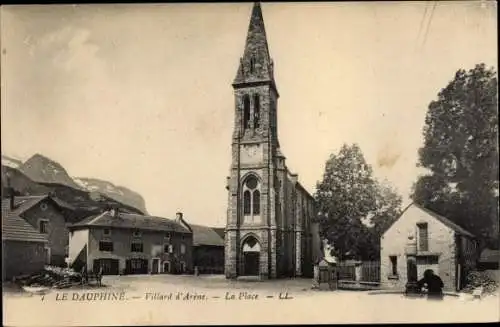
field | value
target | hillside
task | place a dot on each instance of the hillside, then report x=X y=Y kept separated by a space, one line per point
x=118 y=193
x=41 y=175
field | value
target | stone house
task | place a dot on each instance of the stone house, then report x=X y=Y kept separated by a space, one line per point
x=432 y=242
x=23 y=247
x=124 y=243
x=46 y=215
x=271 y=230
x=208 y=250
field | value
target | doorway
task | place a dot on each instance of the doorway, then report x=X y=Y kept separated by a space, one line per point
x=251 y=256
x=155 y=266
x=412 y=271
x=166 y=267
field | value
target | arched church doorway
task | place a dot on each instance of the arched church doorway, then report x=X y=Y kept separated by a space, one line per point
x=251 y=256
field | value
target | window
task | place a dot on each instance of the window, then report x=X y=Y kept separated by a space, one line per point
x=136 y=234
x=252 y=65
x=247 y=202
x=43 y=226
x=107 y=232
x=183 y=248
x=251 y=197
x=168 y=248
x=423 y=237
x=136 y=264
x=246 y=111
x=256 y=110
x=167 y=236
x=394 y=265
x=106 y=246
x=136 y=247
x=428 y=260
x=256 y=202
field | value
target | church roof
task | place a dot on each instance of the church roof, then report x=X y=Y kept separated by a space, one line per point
x=256 y=64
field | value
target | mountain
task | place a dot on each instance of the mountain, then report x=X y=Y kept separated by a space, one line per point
x=11 y=162
x=118 y=193
x=41 y=169
x=21 y=183
x=40 y=175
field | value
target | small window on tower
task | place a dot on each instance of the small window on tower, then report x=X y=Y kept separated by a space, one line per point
x=246 y=111
x=252 y=65
x=256 y=202
x=246 y=202
x=256 y=110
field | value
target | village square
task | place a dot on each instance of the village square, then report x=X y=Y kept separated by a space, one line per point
x=351 y=242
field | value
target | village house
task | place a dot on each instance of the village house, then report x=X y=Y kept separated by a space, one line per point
x=208 y=249
x=432 y=242
x=124 y=243
x=45 y=214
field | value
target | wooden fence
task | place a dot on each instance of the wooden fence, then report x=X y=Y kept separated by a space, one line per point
x=358 y=275
x=370 y=271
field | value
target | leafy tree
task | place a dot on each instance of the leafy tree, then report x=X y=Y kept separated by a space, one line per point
x=388 y=208
x=354 y=207
x=461 y=153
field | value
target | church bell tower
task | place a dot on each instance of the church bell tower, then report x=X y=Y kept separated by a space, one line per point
x=257 y=166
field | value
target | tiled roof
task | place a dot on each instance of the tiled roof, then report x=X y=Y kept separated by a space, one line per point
x=15 y=228
x=440 y=218
x=203 y=235
x=221 y=231
x=445 y=221
x=131 y=221
x=21 y=203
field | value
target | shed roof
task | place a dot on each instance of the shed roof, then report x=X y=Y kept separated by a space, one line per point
x=204 y=235
x=490 y=255
x=131 y=221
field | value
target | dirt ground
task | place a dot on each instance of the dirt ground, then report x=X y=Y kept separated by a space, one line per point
x=167 y=299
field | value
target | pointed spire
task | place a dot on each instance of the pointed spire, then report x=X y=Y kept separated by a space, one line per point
x=256 y=64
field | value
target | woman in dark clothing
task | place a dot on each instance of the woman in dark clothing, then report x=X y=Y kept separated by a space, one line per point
x=433 y=283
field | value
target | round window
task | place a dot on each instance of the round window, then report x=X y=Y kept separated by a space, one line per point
x=43 y=206
x=251 y=183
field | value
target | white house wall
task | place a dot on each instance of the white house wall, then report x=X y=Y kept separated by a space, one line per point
x=441 y=242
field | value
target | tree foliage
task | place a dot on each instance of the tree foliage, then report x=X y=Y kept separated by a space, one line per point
x=461 y=153
x=354 y=208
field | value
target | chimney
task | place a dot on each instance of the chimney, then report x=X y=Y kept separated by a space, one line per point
x=180 y=220
x=178 y=217
x=113 y=211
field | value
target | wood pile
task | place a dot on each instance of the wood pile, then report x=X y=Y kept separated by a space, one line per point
x=55 y=277
x=480 y=279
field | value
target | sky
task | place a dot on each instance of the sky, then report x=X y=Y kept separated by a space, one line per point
x=141 y=96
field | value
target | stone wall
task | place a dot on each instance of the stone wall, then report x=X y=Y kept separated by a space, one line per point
x=57 y=232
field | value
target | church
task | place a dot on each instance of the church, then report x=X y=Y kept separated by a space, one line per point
x=271 y=229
